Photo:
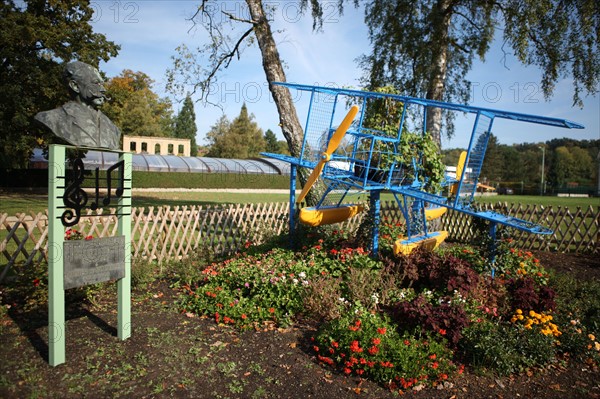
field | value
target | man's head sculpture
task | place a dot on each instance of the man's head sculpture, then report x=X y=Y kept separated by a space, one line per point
x=85 y=84
x=79 y=122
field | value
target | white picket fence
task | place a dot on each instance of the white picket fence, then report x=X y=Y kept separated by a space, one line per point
x=166 y=233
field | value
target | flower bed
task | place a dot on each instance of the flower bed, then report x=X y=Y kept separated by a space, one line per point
x=403 y=322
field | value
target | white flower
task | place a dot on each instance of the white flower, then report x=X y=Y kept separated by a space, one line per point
x=375 y=298
x=295 y=281
x=302 y=275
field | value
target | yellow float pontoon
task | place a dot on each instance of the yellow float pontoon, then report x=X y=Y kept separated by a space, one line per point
x=430 y=241
x=312 y=216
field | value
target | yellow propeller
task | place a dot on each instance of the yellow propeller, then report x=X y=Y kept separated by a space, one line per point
x=462 y=159
x=334 y=142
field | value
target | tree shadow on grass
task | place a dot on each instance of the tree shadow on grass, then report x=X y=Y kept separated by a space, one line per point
x=33 y=324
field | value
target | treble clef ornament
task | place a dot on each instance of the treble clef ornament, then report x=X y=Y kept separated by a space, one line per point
x=74 y=197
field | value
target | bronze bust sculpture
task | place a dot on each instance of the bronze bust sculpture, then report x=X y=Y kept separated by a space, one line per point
x=79 y=122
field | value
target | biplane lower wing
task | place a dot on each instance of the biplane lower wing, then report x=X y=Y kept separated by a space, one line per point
x=519 y=224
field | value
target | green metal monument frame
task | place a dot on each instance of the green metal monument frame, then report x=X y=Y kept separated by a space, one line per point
x=56 y=238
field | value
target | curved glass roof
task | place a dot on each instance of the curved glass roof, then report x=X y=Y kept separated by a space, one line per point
x=172 y=163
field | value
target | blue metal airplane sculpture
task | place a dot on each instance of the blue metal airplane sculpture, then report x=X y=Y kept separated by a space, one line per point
x=361 y=156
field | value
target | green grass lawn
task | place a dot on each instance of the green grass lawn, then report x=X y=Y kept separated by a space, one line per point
x=25 y=202
x=569 y=202
x=15 y=203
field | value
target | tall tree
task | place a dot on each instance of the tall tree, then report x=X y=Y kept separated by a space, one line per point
x=426 y=48
x=241 y=139
x=221 y=49
x=36 y=38
x=185 y=124
x=216 y=145
x=271 y=144
x=135 y=108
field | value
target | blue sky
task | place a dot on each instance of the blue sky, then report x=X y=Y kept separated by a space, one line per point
x=150 y=30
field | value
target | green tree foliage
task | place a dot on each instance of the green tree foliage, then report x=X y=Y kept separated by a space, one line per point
x=214 y=137
x=185 y=124
x=36 y=39
x=426 y=48
x=242 y=138
x=271 y=144
x=135 y=108
x=566 y=160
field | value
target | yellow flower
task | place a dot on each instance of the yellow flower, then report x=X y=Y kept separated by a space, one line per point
x=520 y=317
x=597 y=346
x=532 y=313
x=591 y=337
x=519 y=311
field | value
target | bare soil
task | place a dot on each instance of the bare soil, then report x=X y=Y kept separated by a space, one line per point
x=173 y=355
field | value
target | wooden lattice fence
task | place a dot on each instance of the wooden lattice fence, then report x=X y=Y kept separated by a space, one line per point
x=166 y=233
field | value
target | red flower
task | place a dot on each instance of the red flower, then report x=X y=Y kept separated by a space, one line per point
x=244 y=317
x=36 y=282
x=376 y=341
x=432 y=357
x=373 y=350
x=325 y=359
x=434 y=365
x=355 y=348
x=442 y=331
x=315 y=348
x=382 y=331
x=347 y=370
x=334 y=344
x=271 y=310
x=406 y=342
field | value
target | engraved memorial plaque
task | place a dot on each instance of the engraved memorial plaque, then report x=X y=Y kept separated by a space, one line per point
x=93 y=261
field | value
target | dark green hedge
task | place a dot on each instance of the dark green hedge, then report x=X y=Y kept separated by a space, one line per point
x=38 y=178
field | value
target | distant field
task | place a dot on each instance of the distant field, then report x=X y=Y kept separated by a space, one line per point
x=26 y=202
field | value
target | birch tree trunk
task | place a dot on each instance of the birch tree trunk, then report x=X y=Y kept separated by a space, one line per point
x=439 y=60
x=288 y=119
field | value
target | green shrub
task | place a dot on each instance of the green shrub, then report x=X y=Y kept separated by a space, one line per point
x=367 y=344
x=504 y=348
